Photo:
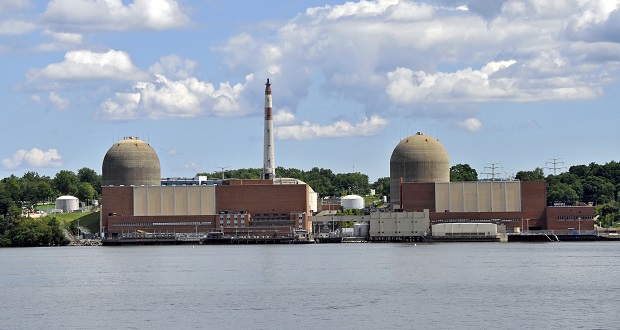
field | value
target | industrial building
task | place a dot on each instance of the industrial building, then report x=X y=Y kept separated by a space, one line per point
x=420 y=180
x=135 y=199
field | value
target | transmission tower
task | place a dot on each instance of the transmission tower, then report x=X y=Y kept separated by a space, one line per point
x=555 y=162
x=492 y=167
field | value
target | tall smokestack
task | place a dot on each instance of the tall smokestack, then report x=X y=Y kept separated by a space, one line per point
x=269 y=168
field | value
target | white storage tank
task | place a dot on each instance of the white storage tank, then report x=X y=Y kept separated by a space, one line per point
x=67 y=203
x=351 y=202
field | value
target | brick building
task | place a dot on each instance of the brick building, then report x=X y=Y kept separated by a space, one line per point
x=520 y=206
x=237 y=207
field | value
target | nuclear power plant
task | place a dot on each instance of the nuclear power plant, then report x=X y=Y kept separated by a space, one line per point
x=137 y=202
x=424 y=204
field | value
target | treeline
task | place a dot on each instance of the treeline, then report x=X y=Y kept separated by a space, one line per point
x=23 y=193
x=22 y=232
x=594 y=184
x=323 y=181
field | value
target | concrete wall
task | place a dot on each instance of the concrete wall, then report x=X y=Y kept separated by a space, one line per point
x=174 y=200
x=479 y=196
x=533 y=195
x=399 y=224
x=465 y=230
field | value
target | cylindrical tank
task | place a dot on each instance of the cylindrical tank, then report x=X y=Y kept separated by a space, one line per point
x=67 y=203
x=351 y=202
x=418 y=158
x=363 y=229
x=356 y=229
x=131 y=162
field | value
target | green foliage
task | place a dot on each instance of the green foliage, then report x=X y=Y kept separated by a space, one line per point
x=382 y=186
x=31 y=232
x=535 y=175
x=561 y=192
x=66 y=182
x=593 y=183
x=85 y=191
x=323 y=181
x=91 y=177
x=463 y=172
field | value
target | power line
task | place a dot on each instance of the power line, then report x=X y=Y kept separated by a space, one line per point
x=493 y=167
x=555 y=162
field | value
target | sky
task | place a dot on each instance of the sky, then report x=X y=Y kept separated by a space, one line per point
x=505 y=84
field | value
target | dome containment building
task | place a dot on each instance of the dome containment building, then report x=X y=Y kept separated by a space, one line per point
x=418 y=158
x=131 y=162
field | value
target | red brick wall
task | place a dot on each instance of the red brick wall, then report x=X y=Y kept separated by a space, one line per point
x=571 y=215
x=534 y=199
x=113 y=221
x=263 y=199
x=118 y=200
x=418 y=196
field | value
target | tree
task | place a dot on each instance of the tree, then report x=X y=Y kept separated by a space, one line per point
x=88 y=175
x=536 y=175
x=561 y=192
x=44 y=192
x=463 y=172
x=382 y=186
x=596 y=190
x=11 y=186
x=85 y=191
x=66 y=182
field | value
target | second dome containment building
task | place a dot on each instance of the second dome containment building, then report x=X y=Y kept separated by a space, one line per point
x=131 y=162
x=418 y=158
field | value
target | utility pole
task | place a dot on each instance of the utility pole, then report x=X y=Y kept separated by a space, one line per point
x=492 y=167
x=555 y=162
x=222 y=168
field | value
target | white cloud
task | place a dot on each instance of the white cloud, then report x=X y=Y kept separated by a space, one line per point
x=89 y=65
x=190 y=166
x=16 y=27
x=284 y=117
x=174 y=66
x=407 y=86
x=64 y=37
x=471 y=124
x=115 y=15
x=6 y=5
x=33 y=158
x=399 y=54
x=57 y=101
x=184 y=98
x=307 y=130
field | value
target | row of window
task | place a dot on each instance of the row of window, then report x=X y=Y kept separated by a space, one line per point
x=475 y=220
x=575 y=217
x=145 y=224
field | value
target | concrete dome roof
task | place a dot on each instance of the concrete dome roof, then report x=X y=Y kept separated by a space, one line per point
x=131 y=162
x=420 y=148
x=418 y=158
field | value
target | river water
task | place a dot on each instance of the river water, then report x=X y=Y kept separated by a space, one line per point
x=325 y=286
